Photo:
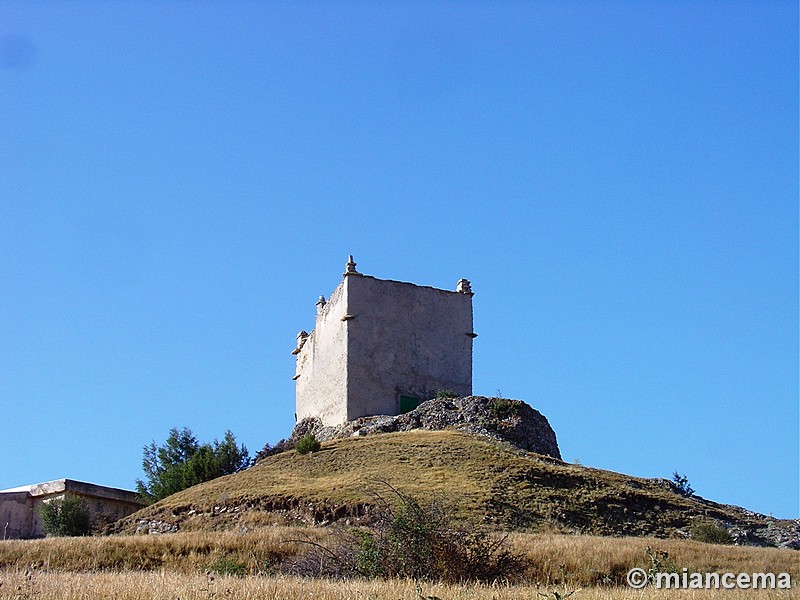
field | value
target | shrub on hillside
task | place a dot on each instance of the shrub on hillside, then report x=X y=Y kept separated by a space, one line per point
x=283 y=445
x=441 y=394
x=412 y=540
x=65 y=516
x=503 y=408
x=710 y=532
x=228 y=567
x=307 y=443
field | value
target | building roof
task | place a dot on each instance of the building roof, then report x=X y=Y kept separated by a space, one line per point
x=23 y=488
x=58 y=486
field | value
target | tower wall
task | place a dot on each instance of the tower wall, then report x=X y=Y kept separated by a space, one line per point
x=404 y=340
x=321 y=375
x=379 y=346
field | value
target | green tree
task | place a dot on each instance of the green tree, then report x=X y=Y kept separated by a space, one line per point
x=65 y=516
x=682 y=483
x=230 y=457
x=182 y=462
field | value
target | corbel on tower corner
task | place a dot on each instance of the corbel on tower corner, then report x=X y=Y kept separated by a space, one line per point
x=350 y=269
x=301 y=340
x=465 y=287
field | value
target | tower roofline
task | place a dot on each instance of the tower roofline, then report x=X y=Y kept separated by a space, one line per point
x=463 y=286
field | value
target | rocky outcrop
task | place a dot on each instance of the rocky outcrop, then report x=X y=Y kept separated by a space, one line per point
x=501 y=419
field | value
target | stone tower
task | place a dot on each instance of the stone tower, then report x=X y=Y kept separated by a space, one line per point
x=379 y=347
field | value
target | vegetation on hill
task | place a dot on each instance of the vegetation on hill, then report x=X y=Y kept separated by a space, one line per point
x=478 y=480
x=182 y=462
x=307 y=443
x=409 y=539
x=457 y=491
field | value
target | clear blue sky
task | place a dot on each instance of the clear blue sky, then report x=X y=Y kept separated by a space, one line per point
x=180 y=181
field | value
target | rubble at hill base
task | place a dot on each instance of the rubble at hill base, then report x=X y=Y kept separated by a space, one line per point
x=501 y=419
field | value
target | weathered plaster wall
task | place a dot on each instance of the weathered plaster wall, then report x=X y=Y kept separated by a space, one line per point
x=321 y=375
x=16 y=515
x=404 y=339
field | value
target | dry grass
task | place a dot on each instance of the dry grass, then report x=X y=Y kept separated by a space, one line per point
x=420 y=463
x=581 y=560
x=173 y=586
x=258 y=551
x=578 y=561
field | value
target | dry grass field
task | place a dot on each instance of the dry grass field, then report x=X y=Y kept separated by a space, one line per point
x=576 y=560
x=191 y=552
x=161 y=585
x=190 y=565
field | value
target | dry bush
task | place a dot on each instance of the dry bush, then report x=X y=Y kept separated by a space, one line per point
x=410 y=540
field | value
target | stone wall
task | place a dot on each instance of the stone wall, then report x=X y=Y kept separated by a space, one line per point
x=16 y=515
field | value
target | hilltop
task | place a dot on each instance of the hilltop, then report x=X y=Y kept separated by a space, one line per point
x=500 y=419
x=481 y=480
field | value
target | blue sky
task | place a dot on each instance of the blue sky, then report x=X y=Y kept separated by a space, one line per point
x=180 y=181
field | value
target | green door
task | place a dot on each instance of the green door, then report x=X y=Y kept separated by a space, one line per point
x=408 y=403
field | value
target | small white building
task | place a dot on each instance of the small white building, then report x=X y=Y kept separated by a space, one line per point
x=380 y=347
x=19 y=516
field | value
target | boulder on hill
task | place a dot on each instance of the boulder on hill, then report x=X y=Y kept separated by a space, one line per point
x=511 y=421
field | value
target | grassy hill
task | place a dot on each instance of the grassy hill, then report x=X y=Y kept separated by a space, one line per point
x=481 y=481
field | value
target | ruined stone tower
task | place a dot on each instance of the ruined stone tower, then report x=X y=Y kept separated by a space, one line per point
x=379 y=347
